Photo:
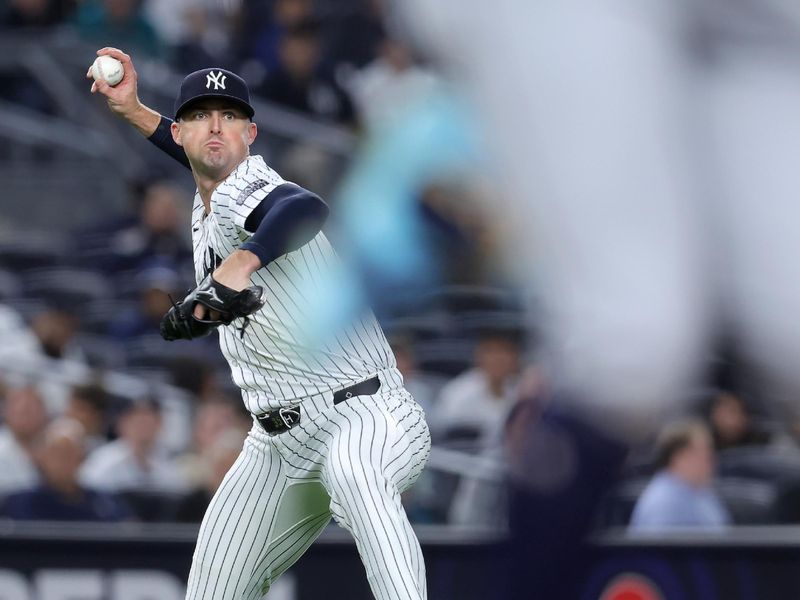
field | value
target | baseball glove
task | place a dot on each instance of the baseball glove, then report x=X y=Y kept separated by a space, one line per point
x=180 y=323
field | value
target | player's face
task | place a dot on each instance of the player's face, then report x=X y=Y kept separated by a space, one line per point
x=215 y=135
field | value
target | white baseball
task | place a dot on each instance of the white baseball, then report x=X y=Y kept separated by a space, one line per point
x=107 y=68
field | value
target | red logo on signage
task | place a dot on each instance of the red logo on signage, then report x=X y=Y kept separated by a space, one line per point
x=630 y=586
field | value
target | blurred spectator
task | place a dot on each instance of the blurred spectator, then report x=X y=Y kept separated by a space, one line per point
x=156 y=233
x=475 y=404
x=24 y=419
x=214 y=418
x=34 y=13
x=732 y=424
x=299 y=83
x=196 y=375
x=414 y=381
x=133 y=462
x=118 y=23
x=353 y=33
x=285 y=14
x=205 y=38
x=55 y=330
x=681 y=493
x=219 y=458
x=389 y=85
x=61 y=497
x=16 y=339
x=88 y=405
x=156 y=283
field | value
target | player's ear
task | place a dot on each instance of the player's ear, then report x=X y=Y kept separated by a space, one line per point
x=252 y=132
x=175 y=130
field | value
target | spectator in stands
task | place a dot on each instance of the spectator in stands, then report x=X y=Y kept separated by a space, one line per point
x=55 y=329
x=299 y=83
x=417 y=385
x=24 y=419
x=16 y=339
x=133 y=462
x=88 y=405
x=475 y=404
x=215 y=416
x=389 y=85
x=732 y=423
x=218 y=459
x=266 y=44
x=204 y=38
x=197 y=376
x=20 y=14
x=157 y=233
x=60 y=497
x=353 y=32
x=156 y=282
x=681 y=493
x=118 y=23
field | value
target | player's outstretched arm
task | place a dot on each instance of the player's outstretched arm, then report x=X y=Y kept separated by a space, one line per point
x=123 y=101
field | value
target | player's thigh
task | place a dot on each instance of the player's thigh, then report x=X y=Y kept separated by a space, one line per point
x=375 y=443
x=236 y=528
x=301 y=516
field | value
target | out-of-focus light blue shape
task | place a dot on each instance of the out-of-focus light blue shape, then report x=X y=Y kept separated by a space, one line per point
x=377 y=204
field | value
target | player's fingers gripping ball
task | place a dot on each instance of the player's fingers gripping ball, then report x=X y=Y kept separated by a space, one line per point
x=180 y=323
x=108 y=69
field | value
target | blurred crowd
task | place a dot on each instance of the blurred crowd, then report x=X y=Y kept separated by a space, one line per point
x=88 y=304
x=329 y=60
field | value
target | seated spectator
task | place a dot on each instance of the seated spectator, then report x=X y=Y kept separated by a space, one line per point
x=18 y=14
x=414 y=382
x=118 y=23
x=680 y=494
x=88 y=405
x=60 y=497
x=157 y=282
x=266 y=43
x=218 y=458
x=389 y=85
x=475 y=404
x=133 y=462
x=298 y=82
x=24 y=419
x=215 y=417
x=16 y=339
x=732 y=424
x=55 y=330
x=155 y=233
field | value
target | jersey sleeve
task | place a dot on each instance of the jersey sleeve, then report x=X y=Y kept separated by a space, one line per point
x=249 y=198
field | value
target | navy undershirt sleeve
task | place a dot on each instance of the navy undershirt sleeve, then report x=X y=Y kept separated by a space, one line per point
x=162 y=138
x=288 y=217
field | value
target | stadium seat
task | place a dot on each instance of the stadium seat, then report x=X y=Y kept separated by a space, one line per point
x=749 y=501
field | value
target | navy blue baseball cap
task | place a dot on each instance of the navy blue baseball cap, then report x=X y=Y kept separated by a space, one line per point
x=213 y=83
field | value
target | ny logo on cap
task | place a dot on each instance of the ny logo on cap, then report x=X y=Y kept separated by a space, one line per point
x=217 y=80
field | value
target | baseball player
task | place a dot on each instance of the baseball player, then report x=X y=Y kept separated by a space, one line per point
x=334 y=433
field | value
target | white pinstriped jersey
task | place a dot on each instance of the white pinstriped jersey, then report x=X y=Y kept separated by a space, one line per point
x=277 y=359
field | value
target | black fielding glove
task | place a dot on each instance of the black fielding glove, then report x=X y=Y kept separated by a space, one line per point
x=180 y=323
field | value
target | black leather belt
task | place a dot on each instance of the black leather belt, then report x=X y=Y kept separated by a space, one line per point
x=283 y=419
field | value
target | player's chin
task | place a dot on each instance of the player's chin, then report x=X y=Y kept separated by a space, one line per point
x=216 y=158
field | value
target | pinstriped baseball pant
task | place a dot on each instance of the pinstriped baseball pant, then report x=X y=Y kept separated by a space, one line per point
x=351 y=462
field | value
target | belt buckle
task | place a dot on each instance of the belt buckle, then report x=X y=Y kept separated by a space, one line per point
x=289 y=416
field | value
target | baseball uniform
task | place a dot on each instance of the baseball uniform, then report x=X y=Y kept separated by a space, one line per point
x=334 y=432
